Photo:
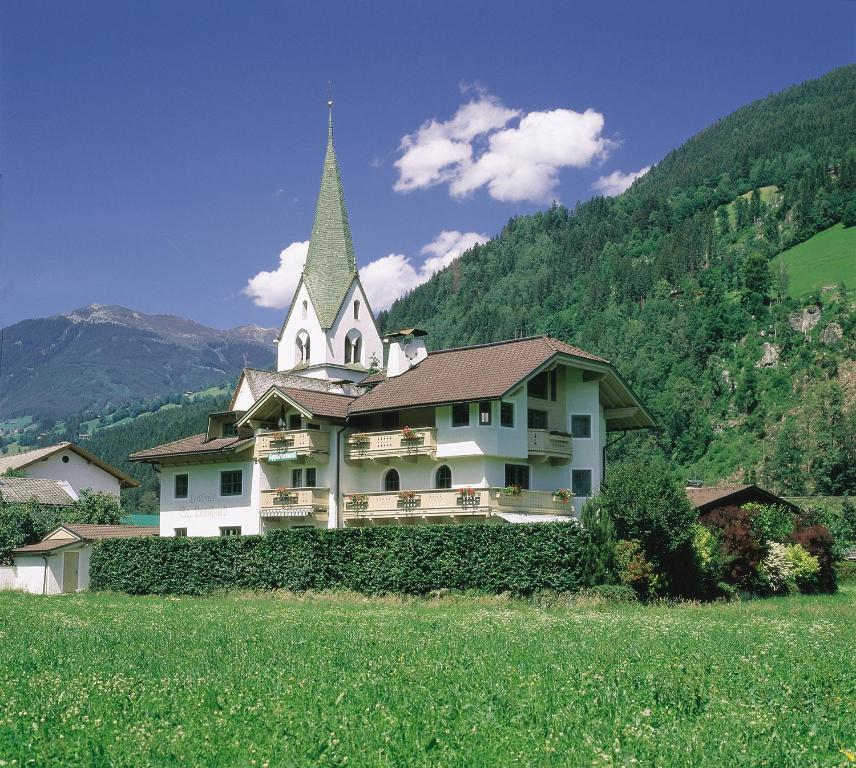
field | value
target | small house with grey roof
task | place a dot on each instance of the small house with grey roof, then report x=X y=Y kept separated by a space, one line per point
x=356 y=429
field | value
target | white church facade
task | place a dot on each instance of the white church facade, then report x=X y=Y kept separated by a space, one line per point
x=358 y=429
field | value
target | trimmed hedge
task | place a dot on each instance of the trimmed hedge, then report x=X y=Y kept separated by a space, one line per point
x=409 y=560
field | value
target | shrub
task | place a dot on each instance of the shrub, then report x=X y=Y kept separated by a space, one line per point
x=647 y=503
x=598 y=554
x=818 y=542
x=846 y=571
x=709 y=561
x=805 y=567
x=743 y=553
x=770 y=522
x=614 y=593
x=634 y=570
x=518 y=559
x=777 y=567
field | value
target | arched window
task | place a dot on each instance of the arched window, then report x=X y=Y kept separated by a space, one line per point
x=301 y=348
x=353 y=347
x=356 y=310
x=391 y=481
x=305 y=310
x=443 y=477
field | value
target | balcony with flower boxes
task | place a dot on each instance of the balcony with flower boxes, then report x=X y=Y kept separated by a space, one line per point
x=394 y=444
x=455 y=503
x=550 y=445
x=294 y=446
x=294 y=502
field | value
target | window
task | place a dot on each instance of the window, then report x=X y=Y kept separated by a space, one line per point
x=391 y=420
x=230 y=530
x=65 y=459
x=301 y=343
x=231 y=482
x=581 y=426
x=517 y=474
x=537 y=386
x=310 y=477
x=581 y=482
x=180 y=533
x=313 y=426
x=484 y=413
x=297 y=478
x=230 y=429
x=356 y=310
x=461 y=415
x=536 y=419
x=391 y=481
x=294 y=421
x=554 y=383
x=443 y=477
x=353 y=348
x=181 y=486
x=304 y=313
x=506 y=414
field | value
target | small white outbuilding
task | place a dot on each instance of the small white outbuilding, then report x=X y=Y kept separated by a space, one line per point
x=59 y=563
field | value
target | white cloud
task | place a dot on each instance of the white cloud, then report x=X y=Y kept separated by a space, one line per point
x=390 y=277
x=276 y=289
x=478 y=148
x=616 y=182
x=384 y=280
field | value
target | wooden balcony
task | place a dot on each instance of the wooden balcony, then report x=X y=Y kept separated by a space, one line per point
x=294 y=502
x=452 y=504
x=546 y=445
x=394 y=444
x=294 y=446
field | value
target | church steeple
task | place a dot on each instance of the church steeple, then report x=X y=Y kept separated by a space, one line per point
x=330 y=264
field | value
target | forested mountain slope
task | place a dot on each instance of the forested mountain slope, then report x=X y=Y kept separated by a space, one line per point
x=677 y=282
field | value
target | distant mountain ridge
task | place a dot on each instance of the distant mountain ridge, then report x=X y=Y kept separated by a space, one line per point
x=102 y=355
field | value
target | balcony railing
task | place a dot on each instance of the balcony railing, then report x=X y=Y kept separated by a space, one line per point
x=450 y=503
x=557 y=447
x=294 y=502
x=397 y=443
x=293 y=445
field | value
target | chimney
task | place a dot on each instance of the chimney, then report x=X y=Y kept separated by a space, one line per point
x=406 y=349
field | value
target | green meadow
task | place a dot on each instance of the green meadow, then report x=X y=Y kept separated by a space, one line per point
x=284 y=680
x=826 y=259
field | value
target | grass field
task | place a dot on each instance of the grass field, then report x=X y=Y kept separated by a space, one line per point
x=98 y=680
x=828 y=258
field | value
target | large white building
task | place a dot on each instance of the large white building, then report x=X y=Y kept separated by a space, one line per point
x=512 y=431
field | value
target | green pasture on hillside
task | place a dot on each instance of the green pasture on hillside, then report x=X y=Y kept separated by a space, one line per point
x=112 y=680
x=826 y=259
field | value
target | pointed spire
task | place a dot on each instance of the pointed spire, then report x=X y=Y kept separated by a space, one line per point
x=330 y=264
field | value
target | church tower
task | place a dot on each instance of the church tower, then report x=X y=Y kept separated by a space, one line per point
x=330 y=331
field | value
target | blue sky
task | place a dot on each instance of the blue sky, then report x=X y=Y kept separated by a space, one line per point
x=160 y=155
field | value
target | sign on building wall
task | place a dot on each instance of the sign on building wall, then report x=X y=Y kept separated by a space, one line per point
x=277 y=456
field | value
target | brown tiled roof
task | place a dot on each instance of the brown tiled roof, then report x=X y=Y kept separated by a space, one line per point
x=50 y=493
x=191 y=445
x=24 y=460
x=486 y=371
x=707 y=497
x=320 y=403
x=97 y=532
x=85 y=533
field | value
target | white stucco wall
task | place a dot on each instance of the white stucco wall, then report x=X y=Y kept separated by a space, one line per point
x=77 y=472
x=328 y=347
x=204 y=510
x=27 y=575
x=243 y=397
